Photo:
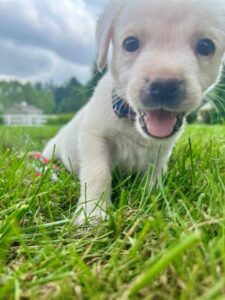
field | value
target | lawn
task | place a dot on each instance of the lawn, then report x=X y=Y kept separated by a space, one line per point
x=167 y=244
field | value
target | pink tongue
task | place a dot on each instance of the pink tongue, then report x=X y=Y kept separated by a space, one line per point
x=160 y=123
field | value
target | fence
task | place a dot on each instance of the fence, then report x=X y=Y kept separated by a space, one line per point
x=24 y=120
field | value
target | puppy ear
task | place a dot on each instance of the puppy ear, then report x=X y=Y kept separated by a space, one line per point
x=104 y=31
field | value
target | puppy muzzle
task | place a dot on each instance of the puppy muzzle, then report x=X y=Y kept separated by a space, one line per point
x=162 y=98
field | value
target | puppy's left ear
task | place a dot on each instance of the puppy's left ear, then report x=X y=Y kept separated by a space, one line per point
x=104 y=32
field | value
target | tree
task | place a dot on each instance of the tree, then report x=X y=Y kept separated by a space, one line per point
x=16 y=92
x=67 y=97
x=73 y=95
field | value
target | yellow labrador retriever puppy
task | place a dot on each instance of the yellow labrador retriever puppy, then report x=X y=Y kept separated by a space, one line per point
x=166 y=56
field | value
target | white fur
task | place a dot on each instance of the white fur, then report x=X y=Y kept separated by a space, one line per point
x=96 y=139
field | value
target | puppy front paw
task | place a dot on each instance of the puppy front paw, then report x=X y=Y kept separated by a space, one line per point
x=84 y=217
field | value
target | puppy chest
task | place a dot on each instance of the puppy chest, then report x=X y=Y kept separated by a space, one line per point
x=131 y=154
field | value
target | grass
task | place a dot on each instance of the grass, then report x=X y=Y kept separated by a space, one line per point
x=169 y=244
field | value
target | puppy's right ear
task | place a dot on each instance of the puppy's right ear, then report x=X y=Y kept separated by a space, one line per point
x=104 y=32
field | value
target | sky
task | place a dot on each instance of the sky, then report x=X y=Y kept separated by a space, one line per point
x=48 y=40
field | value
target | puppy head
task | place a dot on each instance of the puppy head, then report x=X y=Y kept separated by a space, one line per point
x=166 y=56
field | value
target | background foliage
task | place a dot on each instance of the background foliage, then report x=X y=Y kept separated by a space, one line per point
x=51 y=98
x=218 y=98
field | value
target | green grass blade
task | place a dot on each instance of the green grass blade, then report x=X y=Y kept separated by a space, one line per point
x=163 y=263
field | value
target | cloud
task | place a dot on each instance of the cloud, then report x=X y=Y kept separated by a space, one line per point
x=47 y=39
x=35 y=64
x=22 y=61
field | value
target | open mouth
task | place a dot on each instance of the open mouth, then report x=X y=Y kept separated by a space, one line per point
x=161 y=123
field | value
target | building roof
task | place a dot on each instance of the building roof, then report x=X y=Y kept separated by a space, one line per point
x=23 y=108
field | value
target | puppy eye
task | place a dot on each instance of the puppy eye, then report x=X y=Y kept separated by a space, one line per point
x=131 y=44
x=206 y=47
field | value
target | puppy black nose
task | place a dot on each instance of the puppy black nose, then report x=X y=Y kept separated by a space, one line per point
x=165 y=90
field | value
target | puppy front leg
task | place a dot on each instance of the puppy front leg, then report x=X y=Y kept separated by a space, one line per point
x=158 y=169
x=95 y=179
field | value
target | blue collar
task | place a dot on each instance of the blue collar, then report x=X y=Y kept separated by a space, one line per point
x=121 y=108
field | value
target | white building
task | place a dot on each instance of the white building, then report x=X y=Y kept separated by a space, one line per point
x=25 y=115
